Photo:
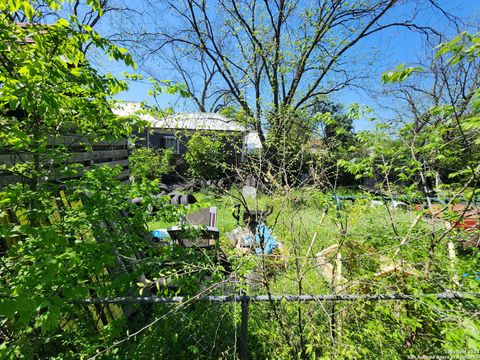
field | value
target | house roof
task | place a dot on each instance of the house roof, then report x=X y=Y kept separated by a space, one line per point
x=180 y=121
x=198 y=121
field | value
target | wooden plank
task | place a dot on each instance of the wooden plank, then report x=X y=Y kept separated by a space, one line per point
x=121 y=154
x=122 y=142
x=106 y=145
x=122 y=163
x=327 y=251
x=395 y=269
x=110 y=154
x=453 y=261
x=332 y=274
x=99 y=155
x=102 y=157
x=13 y=158
x=82 y=157
x=72 y=140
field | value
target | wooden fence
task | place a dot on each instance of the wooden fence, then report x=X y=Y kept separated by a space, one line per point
x=102 y=314
x=88 y=154
x=82 y=152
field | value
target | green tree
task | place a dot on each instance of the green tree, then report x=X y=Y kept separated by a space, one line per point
x=441 y=133
x=147 y=163
x=205 y=156
x=334 y=138
x=62 y=240
x=272 y=59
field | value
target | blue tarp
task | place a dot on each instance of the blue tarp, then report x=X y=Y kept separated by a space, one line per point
x=264 y=233
x=160 y=234
x=477 y=277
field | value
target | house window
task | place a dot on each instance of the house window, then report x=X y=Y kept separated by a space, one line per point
x=171 y=142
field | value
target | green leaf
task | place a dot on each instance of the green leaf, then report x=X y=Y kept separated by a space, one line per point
x=28 y=9
x=401 y=73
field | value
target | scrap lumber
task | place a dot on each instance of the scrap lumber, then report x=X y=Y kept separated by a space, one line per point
x=388 y=267
x=332 y=274
x=453 y=260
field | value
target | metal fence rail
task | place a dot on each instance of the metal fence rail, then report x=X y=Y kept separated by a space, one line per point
x=254 y=298
x=245 y=300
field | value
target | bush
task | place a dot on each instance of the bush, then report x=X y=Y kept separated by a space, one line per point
x=147 y=163
x=205 y=157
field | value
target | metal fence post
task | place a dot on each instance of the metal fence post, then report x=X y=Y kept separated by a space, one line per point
x=244 y=329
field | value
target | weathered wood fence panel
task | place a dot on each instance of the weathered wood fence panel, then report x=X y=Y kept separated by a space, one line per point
x=102 y=314
x=111 y=153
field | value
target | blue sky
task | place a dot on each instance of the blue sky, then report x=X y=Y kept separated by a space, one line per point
x=393 y=46
x=401 y=46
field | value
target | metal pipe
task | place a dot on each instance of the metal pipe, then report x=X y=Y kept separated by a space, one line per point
x=259 y=298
